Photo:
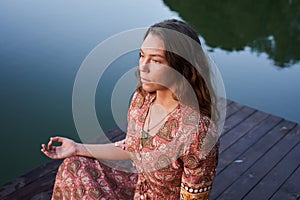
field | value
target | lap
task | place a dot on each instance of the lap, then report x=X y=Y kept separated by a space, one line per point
x=87 y=178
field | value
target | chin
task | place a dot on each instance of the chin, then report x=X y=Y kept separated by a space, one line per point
x=148 y=88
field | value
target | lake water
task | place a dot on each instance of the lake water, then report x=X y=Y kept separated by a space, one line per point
x=43 y=43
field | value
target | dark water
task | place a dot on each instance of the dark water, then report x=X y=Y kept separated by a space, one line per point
x=43 y=43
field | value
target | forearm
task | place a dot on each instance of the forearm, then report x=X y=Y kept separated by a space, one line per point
x=102 y=151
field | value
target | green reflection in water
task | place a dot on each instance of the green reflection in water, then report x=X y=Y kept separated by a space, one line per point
x=271 y=27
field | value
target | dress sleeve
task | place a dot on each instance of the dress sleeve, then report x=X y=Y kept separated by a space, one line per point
x=199 y=164
x=121 y=144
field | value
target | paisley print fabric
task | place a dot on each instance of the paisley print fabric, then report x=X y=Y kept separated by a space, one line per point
x=84 y=178
x=179 y=162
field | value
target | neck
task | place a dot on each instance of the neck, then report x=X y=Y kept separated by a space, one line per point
x=165 y=98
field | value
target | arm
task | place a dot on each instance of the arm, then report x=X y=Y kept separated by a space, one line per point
x=101 y=151
x=70 y=148
x=200 y=161
x=198 y=175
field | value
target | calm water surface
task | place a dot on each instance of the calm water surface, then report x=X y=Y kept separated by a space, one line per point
x=43 y=43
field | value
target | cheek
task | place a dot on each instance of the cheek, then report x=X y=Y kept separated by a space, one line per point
x=160 y=80
x=167 y=75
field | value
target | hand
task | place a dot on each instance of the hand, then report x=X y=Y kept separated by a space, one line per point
x=67 y=148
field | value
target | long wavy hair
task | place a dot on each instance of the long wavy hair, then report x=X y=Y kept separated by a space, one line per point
x=185 y=54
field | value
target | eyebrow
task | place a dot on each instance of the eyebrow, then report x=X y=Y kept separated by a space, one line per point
x=154 y=55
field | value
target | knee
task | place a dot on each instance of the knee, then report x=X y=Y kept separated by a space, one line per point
x=71 y=165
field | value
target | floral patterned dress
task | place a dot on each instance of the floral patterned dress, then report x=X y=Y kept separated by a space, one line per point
x=179 y=162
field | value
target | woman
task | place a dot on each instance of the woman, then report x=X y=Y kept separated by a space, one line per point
x=170 y=136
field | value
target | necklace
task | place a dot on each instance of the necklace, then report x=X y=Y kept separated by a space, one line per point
x=145 y=134
x=160 y=121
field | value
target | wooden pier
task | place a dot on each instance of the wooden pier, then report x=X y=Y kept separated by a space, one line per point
x=259 y=159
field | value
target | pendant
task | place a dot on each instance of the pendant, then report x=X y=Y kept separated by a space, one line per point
x=145 y=137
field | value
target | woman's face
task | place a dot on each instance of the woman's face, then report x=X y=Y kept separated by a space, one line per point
x=155 y=72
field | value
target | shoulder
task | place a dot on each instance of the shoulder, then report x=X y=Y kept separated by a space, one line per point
x=195 y=118
x=137 y=99
x=200 y=132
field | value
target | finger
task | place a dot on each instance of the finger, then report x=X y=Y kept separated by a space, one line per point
x=49 y=154
x=50 y=144
x=44 y=150
x=53 y=149
x=57 y=139
x=54 y=139
x=43 y=147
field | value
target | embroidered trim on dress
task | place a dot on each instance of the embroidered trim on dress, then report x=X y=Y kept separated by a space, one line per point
x=185 y=195
x=195 y=191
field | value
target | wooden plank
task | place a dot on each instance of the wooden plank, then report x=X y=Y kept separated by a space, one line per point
x=250 y=136
x=272 y=181
x=241 y=129
x=116 y=135
x=225 y=179
x=233 y=152
x=42 y=185
x=237 y=118
x=40 y=180
x=290 y=189
x=119 y=137
x=228 y=101
x=232 y=107
x=259 y=167
x=28 y=178
x=110 y=136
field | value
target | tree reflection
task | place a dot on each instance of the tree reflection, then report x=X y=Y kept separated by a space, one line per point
x=266 y=26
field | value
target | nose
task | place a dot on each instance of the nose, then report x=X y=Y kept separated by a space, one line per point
x=143 y=65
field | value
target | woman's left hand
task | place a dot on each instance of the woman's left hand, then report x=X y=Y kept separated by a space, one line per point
x=67 y=148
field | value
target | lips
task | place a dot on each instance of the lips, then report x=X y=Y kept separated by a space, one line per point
x=144 y=80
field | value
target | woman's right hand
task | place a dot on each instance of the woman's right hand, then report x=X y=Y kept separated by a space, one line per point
x=67 y=148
